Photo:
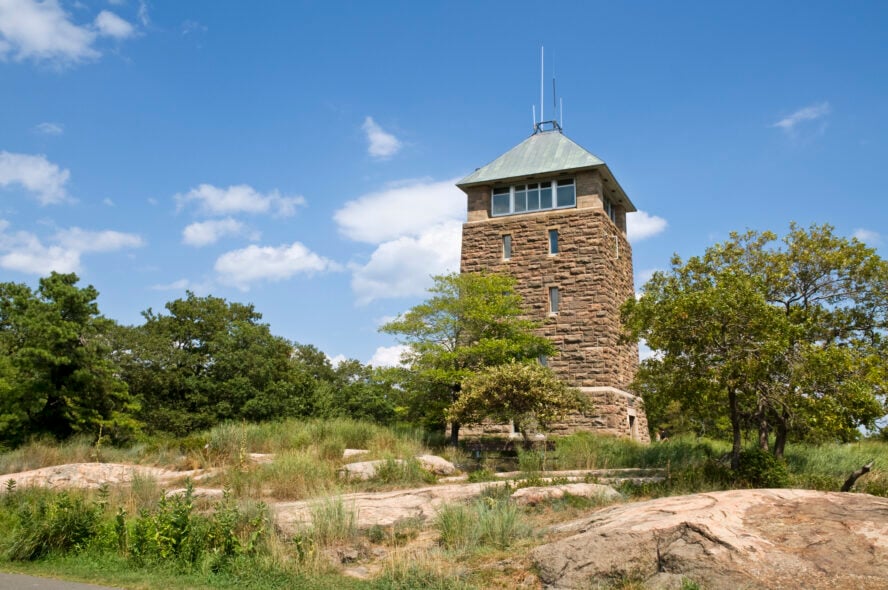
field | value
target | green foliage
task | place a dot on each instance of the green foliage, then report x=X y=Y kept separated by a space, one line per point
x=526 y=394
x=404 y=472
x=471 y=321
x=52 y=523
x=760 y=469
x=207 y=361
x=787 y=340
x=56 y=376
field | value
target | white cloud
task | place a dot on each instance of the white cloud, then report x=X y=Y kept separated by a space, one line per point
x=48 y=128
x=641 y=225
x=381 y=144
x=42 y=31
x=869 y=236
x=809 y=113
x=209 y=232
x=107 y=202
x=254 y=263
x=239 y=198
x=191 y=27
x=416 y=226
x=336 y=360
x=36 y=174
x=404 y=209
x=80 y=240
x=109 y=24
x=388 y=356
x=403 y=267
x=25 y=252
x=143 y=13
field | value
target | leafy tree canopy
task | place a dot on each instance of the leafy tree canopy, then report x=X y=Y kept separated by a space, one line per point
x=208 y=360
x=56 y=376
x=469 y=322
x=525 y=394
x=787 y=338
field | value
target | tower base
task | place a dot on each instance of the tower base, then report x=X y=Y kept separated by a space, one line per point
x=614 y=411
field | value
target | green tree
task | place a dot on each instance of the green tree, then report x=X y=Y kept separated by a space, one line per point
x=785 y=339
x=56 y=376
x=471 y=321
x=357 y=391
x=526 y=394
x=208 y=360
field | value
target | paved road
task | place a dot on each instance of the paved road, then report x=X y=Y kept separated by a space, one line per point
x=18 y=582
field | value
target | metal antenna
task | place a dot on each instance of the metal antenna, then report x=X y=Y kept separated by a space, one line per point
x=534 y=107
x=561 y=116
x=542 y=82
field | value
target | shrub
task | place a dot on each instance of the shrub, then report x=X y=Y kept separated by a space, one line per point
x=457 y=526
x=761 y=469
x=58 y=523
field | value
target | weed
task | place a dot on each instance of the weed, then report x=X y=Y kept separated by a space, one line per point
x=332 y=521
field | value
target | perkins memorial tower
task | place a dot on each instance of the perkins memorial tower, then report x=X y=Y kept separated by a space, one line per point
x=552 y=215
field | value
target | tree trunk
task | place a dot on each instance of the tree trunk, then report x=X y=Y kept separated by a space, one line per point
x=454 y=434
x=782 y=433
x=762 y=426
x=735 y=427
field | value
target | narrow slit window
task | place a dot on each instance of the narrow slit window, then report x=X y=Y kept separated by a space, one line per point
x=507 y=247
x=553 y=241
x=554 y=300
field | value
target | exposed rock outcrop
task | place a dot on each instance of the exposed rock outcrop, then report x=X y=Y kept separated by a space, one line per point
x=534 y=495
x=778 y=539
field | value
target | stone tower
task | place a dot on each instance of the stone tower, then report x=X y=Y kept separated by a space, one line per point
x=552 y=215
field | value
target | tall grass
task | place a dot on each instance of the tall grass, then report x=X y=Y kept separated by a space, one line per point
x=486 y=522
x=332 y=522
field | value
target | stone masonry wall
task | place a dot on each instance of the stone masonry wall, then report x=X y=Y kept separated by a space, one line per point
x=593 y=272
x=613 y=412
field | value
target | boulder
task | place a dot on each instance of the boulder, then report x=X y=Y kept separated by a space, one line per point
x=349 y=453
x=436 y=465
x=777 y=539
x=363 y=470
x=534 y=495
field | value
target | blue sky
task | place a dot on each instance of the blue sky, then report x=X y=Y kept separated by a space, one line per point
x=301 y=155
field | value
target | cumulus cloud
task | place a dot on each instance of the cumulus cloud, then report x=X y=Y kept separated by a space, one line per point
x=380 y=144
x=80 y=240
x=403 y=267
x=404 y=209
x=48 y=128
x=388 y=356
x=869 y=236
x=42 y=31
x=809 y=113
x=642 y=225
x=43 y=179
x=239 y=198
x=110 y=25
x=25 y=252
x=252 y=264
x=209 y=232
x=415 y=226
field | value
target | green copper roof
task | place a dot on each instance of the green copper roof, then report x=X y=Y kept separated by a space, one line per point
x=546 y=152
x=549 y=151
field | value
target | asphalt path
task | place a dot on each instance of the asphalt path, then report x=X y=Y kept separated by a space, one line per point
x=19 y=582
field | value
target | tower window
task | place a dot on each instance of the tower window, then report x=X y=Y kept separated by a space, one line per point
x=553 y=241
x=538 y=196
x=610 y=209
x=554 y=300
x=507 y=247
